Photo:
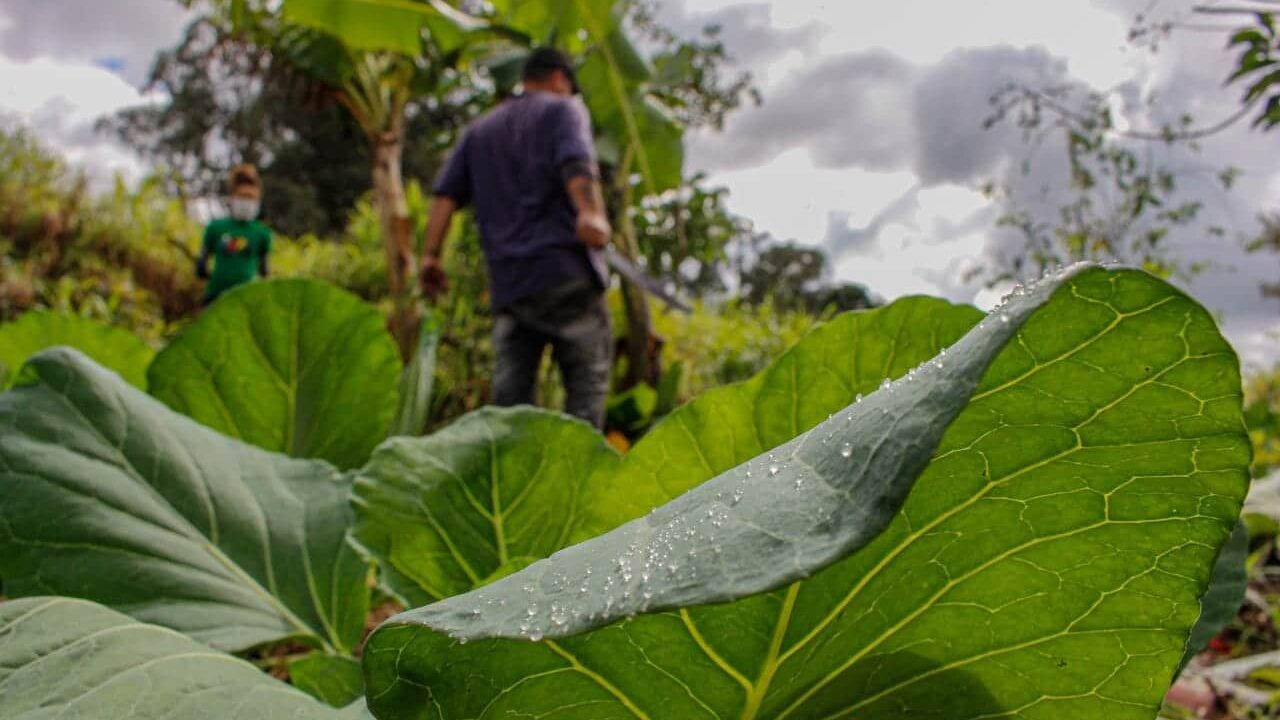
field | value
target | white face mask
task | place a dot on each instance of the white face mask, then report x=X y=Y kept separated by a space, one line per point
x=244 y=209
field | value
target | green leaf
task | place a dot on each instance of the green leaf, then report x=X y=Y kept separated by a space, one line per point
x=633 y=410
x=553 y=22
x=614 y=80
x=1048 y=562
x=1264 y=84
x=333 y=679
x=416 y=382
x=107 y=495
x=293 y=366
x=1248 y=36
x=117 y=349
x=69 y=658
x=393 y=25
x=494 y=490
x=1222 y=601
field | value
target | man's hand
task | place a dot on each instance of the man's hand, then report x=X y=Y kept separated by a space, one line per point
x=593 y=229
x=431 y=278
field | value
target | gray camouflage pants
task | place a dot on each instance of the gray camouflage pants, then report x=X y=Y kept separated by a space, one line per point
x=574 y=320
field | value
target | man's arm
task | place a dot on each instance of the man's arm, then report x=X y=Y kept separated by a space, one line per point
x=588 y=200
x=431 y=277
x=575 y=155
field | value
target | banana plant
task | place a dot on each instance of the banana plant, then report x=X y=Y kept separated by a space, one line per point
x=372 y=58
x=637 y=137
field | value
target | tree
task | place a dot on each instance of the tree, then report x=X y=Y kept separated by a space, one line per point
x=372 y=59
x=1124 y=201
x=1258 y=66
x=797 y=278
x=686 y=234
x=640 y=137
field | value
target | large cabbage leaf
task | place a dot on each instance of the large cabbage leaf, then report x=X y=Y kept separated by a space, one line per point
x=114 y=348
x=491 y=493
x=70 y=658
x=1074 y=465
x=294 y=366
x=107 y=495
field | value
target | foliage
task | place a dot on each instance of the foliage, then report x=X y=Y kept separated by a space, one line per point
x=693 y=77
x=285 y=365
x=796 y=278
x=1262 y=415
x=123 y=257
x=1150 y=480
x=1123 y=201
x=348 y=262
x=417 y=383
x=717 y=345
x=1258 y=68
x=111 y=347
x=333 y=679
x=80 y=659
x=182 y=526
x=687 y=233
x=992 y=539
x=313 y=156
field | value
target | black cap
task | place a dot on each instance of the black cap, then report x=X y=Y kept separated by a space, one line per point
x=545 y=60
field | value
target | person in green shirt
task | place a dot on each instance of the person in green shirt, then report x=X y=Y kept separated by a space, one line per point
x=239 y=244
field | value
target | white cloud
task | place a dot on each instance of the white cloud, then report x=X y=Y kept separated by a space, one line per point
x=121 y=33
x=792 y=199
x=61 y=101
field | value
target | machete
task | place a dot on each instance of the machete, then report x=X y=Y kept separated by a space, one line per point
x=632 y=272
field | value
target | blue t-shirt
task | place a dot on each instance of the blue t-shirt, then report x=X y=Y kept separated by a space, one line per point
x=510 y=167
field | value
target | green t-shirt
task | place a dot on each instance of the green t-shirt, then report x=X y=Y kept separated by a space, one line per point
x=237 y=249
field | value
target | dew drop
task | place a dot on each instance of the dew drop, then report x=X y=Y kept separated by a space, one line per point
x=858 y=399
x=535 y=636
x=774 y=470
x=462 y=640
x=1004 y=318
x=846 y=451
x=799 y=482
x=886 y=384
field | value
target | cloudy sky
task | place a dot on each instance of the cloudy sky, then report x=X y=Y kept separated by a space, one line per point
x=870 y=140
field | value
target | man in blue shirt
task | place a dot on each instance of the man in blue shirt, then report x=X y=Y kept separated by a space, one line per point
x=529 y=171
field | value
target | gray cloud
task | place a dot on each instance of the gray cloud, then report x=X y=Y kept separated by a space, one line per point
x=843 y=238
x=875 y=111
x=747 y=30
x=123 y=32
x=952 y=100
x=849 y=110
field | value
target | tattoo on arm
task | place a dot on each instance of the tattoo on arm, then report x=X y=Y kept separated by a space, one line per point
x=584 y=192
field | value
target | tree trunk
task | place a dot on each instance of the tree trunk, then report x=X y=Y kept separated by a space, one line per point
x=393 y=210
